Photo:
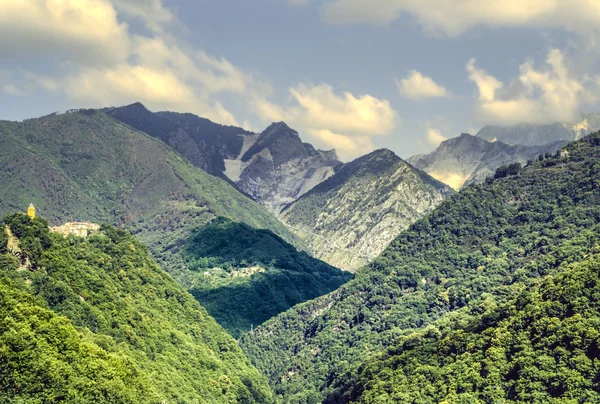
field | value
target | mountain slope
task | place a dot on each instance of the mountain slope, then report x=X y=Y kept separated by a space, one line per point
x=534 y=135
x=148 y=330
x=275 y=167
x=204 y=143
x=483 y=239
x=539 y=346
x=465 y=159
x=86 y=166
x=249 y=275
x=351 y=217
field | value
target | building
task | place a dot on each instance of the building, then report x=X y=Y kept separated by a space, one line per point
x=81 y=229
x=31 y=211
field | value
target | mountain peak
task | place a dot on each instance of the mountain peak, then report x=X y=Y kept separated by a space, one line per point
x=136 y=106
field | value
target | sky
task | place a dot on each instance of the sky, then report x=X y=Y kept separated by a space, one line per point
x=354 y=75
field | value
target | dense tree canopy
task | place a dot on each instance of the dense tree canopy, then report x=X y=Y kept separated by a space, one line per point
x=102 y=302
x=245 y=276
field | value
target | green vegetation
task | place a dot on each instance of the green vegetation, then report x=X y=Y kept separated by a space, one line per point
x=45 y=360
x=129 y=332
x=87 y=166
x=246 y=276
x=543 y=344
x=489 y=238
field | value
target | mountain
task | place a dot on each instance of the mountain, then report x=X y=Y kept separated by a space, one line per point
x=352 y=216
x=96 y=320
x=204 y=143
x=539 y=346
x=87 y=166
x=535 y=135
x=489 y=238
x=465 y=159
x=250 y=275
x=274 y=167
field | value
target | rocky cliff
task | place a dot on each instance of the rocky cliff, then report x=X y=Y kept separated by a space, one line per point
x=276 y=167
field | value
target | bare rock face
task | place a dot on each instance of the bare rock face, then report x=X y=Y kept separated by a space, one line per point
x=276 y=167
x=465 y=159
x=352 y=216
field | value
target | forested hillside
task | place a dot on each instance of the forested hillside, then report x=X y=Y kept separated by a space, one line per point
x=245 y=276
x=86 y=166
x=96 y=320
x=541 y=344
x=524 y=225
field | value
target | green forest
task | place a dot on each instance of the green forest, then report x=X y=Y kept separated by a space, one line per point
x=96 y=320
x=245 y=276
x=488 y=238
x=540 y=345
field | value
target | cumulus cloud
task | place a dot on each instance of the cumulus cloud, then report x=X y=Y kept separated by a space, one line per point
x=344 y=121
x=434 y=137
x=103 y=63
x=547 y=94
x=84 y=31
x=416 y=86
x=347 y=147
x=453 y=17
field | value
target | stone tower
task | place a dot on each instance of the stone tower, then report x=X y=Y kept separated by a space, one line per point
x=31 y=211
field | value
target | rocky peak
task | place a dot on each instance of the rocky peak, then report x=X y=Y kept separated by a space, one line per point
x=283 y=143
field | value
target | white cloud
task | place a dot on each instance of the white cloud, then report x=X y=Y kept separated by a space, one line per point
x=453 y=17
x=163 y=76
x=434 y=137
x=346 y=120
x=416 y=86
x=85 y=31
x=319 y=107
x=548 y=94
x=347 y=147
x=102 y=63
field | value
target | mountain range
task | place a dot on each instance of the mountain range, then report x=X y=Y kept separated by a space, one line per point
x=539 y=134
x=87 y=166
x=483 y=294
x=465 y=159
x=274 y=167
x=483 y=243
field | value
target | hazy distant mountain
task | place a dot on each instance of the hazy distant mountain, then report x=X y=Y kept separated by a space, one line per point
x=274 y=167
x=534 y=135
x=465 y=159
x=352 y=216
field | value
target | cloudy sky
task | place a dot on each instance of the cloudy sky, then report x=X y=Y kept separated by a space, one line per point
x=354 y=75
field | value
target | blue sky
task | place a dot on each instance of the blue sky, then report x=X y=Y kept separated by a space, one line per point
x=347 y=74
